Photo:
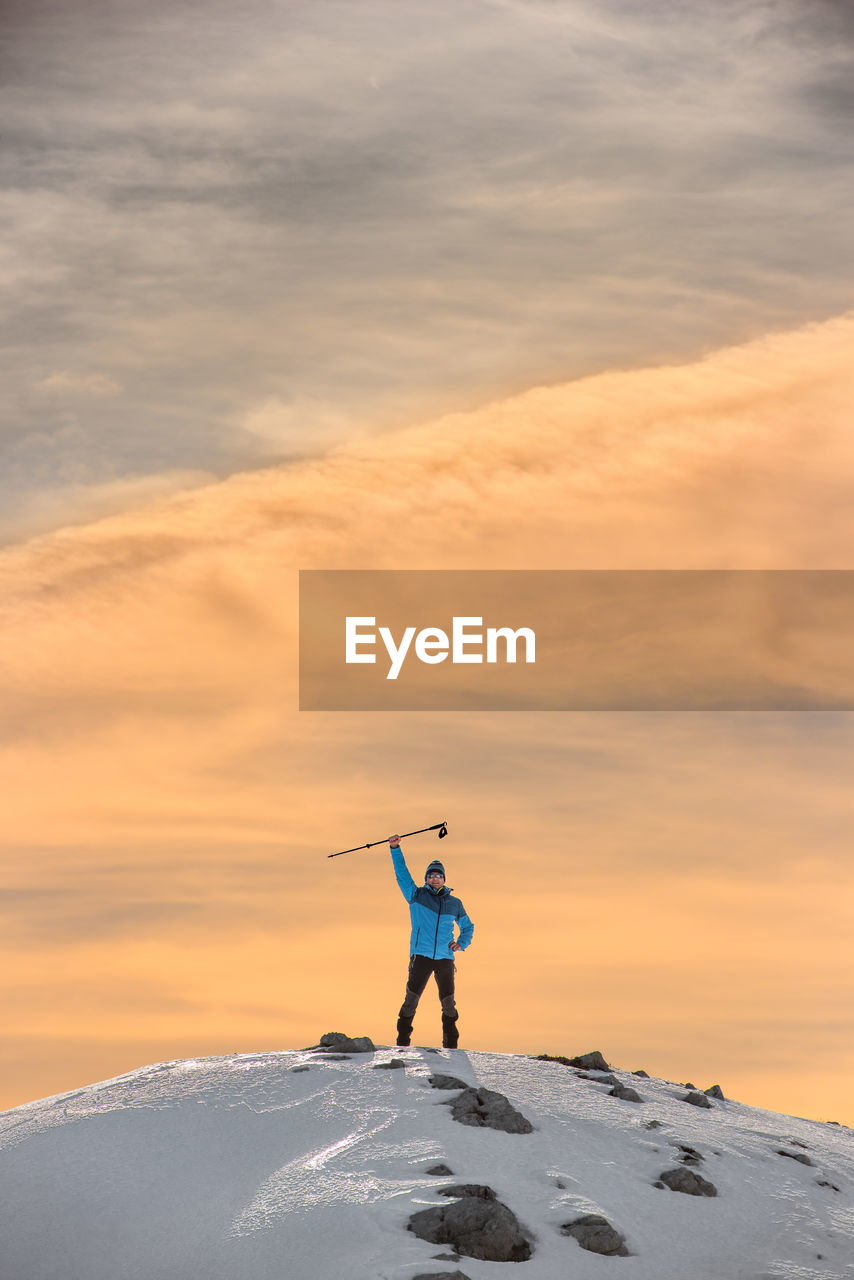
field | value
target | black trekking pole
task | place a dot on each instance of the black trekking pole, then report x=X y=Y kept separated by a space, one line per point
x=441 y=827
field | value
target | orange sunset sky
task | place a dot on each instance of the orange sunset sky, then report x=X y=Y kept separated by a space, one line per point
x=315 y=294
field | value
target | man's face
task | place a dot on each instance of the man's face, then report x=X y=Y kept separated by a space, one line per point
x=435 y=880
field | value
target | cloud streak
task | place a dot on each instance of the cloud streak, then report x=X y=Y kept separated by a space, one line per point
x=365 y=215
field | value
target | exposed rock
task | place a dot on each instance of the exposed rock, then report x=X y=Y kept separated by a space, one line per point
x=797 y=1155
x=625 y=1094
x=823 y=1182
x=440 y=1171
x=447 y=1082
x=653 y=1124
x=640 y=1072
x=715 y=1091
x=476 y=1228
x=295 y=1069
x=394 y=1064
x=484 y=1108
x=697 y=1099
x=441 y=1275
x=446 y=1257
x=335 y=1057
x=587 y=1061
x=590 y=1062
x=346 y=1044
x=468 y=1189
x=596 y=1234
x=688 y=1182
x=689 y=1155
x=689 y=1085
x=330 y=1038
x=607 y=1079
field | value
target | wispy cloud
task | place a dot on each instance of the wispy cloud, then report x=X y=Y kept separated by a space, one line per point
x=370 y=213
x=68 y=382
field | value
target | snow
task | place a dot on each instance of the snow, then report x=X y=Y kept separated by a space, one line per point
x=240 y=1168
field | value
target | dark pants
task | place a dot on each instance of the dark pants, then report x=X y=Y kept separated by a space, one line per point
x=420 y=968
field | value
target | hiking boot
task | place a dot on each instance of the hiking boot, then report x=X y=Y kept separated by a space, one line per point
x=404 y=1032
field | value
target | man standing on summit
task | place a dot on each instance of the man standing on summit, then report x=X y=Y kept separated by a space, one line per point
x=433 y=911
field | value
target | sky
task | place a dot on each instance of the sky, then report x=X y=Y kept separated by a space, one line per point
x=236 y=233
x=358 y=286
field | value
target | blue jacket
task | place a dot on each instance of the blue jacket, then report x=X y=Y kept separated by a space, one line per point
x=432 y=914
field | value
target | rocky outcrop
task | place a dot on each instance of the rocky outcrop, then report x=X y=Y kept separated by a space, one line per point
x=686 y=1181
x=446 y=1082
x=697 y=1099
x=486 y=1109
x=625 y=1094
x=595 y=1234
x=689 y=1154
x=590 y=1062
x=341 y=1043
x=463 y=1189
x=796 y=1155
x=394 y=1064
x=476 y=1226
x=440 y=1171
x=715 y=1091
x=586 y=1061
x=441 y=1275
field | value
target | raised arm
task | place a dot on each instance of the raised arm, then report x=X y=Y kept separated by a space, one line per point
x=407 y=885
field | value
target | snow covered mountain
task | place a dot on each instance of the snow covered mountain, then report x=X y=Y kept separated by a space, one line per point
x=304 y=1165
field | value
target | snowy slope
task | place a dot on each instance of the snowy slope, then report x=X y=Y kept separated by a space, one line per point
x=241 y=1168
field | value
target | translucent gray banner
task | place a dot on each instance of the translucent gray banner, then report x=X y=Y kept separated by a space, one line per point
x=543 y=640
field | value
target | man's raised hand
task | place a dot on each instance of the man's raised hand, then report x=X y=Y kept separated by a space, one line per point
x=394 y=841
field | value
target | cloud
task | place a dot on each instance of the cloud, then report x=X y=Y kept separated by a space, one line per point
x=736 y=452
x=280 y=427
x=67 y=382
x=42 y=510
x=531 y=193
x=159 y=643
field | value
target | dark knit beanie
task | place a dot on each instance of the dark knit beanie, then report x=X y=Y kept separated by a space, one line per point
x=435 y=865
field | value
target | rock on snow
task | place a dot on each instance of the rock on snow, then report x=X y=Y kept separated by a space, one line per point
x=244 y=1167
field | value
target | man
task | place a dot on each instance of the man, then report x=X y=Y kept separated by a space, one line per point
x=432 y=911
